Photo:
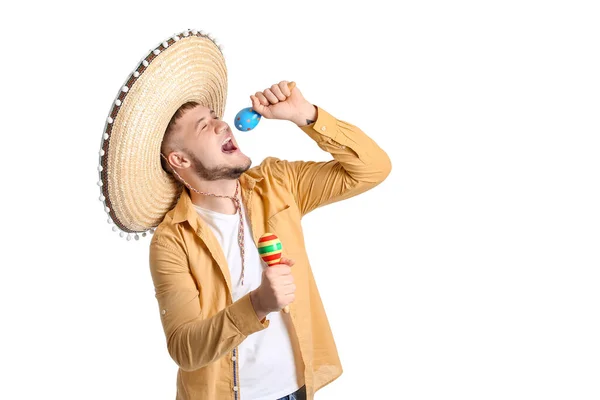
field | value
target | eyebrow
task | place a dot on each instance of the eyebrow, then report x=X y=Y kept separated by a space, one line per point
x=202 y=119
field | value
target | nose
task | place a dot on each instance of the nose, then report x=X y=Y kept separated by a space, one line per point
x=221 y=126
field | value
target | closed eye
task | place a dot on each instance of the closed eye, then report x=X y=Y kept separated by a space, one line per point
x=205 y=125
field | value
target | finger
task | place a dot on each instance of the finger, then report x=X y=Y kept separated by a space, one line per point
x=270 y=96
x=255 y=103
x=262 y=98
x=287 y=261
x=285 y=279
x=277 y=92
x=289 y=289
x=289 y=280
x=283 y=86
x=256 y=106
x=283 y=269
x=279 y=269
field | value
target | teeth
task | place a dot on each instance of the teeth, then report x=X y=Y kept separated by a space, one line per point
x=225 y=141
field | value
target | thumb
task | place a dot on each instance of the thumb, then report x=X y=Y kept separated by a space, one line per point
x=287 y=261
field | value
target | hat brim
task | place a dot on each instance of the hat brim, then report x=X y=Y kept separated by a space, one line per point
x=137 y=192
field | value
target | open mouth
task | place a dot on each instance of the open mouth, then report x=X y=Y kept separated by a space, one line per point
x=228 y=146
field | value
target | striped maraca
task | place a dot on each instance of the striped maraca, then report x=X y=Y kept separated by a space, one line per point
x=269 y=248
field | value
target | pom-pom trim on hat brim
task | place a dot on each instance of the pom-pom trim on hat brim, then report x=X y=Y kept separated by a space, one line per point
x=134 y=189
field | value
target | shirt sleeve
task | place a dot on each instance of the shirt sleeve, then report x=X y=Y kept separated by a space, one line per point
x=194 y=340
x=358 y=164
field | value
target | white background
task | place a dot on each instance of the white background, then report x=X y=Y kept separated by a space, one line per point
x=472 y=272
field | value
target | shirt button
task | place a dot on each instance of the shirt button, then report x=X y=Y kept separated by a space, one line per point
x=323 y=128
x=233 y=358
x=164 y=312
x=235 y=388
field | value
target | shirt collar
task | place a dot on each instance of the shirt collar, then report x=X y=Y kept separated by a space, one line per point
x=185 y=211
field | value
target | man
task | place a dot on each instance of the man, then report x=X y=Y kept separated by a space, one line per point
x=220 y=305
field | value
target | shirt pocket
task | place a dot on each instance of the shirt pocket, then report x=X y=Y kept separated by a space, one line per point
x=286 y=225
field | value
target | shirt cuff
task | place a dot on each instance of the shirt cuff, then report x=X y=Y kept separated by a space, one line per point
x=324 y=126
x=244 y=316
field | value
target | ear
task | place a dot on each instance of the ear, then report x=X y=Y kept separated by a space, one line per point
x=178 y=159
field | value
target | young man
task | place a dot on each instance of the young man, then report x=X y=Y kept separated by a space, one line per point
x=220 y=305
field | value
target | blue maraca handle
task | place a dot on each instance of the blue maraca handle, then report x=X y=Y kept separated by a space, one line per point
x=247 y=118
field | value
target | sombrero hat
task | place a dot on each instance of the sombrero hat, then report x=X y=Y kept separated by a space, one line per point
x=135 y=190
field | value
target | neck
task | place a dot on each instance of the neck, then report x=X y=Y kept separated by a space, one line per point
x=224 y=187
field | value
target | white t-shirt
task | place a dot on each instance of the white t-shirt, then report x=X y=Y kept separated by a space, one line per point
x=267 y=365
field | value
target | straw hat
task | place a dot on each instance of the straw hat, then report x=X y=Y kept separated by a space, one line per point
x=135 y=190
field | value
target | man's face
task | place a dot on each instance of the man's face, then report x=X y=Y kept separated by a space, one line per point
x=209 y=145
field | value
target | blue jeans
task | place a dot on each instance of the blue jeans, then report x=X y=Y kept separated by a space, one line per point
x=299 y=394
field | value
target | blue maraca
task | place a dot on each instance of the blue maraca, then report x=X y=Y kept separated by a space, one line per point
x=247 y=118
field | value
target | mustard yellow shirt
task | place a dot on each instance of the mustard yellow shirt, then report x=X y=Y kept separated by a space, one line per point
x=202 y=325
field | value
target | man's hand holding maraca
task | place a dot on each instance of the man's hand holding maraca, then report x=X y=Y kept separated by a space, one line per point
x=276 y=290
x=284 y=101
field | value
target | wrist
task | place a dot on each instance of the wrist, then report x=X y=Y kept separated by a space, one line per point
x=306 y=116
x=255 y=300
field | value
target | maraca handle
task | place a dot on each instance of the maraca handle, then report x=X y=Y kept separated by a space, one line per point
x=286 y=309
x=291 y=85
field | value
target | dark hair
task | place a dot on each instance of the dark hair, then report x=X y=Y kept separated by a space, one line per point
x=166 y=145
